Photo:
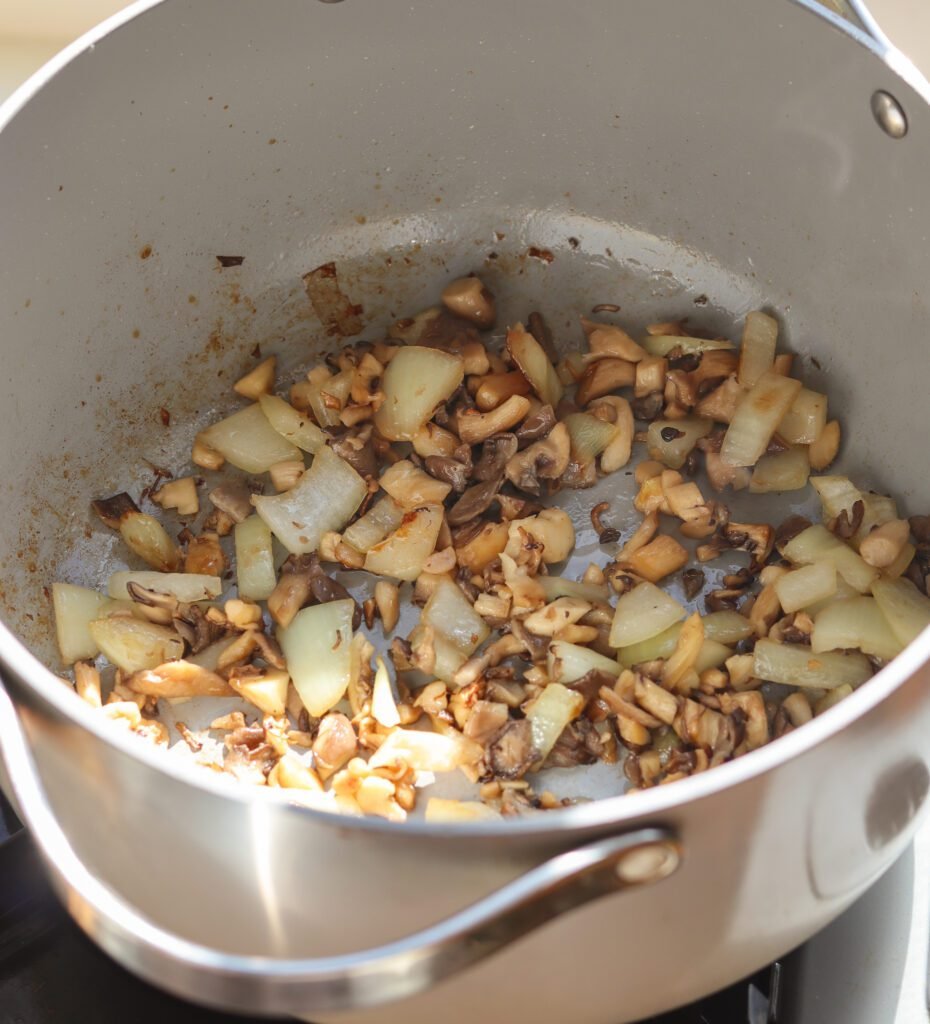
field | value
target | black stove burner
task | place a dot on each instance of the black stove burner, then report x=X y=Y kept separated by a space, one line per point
x=50 y=973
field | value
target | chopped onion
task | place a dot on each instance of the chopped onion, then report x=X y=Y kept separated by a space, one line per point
x=324 y=499
x=255 y=572
x=412 y=487
x=381 y=519
x=548 y=715
x=641 y=613
x=291 y=425
x=712 y=653
x=328 y=396
x=415 y=382
x=447 y=811
x=781 y=471
x=458 y=630
x=383 y=706
x=804 y=587
x=423 y=751
x=817 y=544
x=837 y=494
x=146 y=537
x=268 y=692
x=188 y=587
x=403 y=553
x=856 y=622
x=534 y=364
x=727 y=627
x=682 y=436
x=568 y=662
x=757 y=417
x=803 y=423
x=662 y=344
x=75 y=609
x=557 y=586
x=134 y=645
x=248 y=441
x=757 y=350
x=317 y=648
x=589 y=435
x=798 y=665
x=905 y=608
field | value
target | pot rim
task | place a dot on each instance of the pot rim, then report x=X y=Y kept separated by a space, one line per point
x=622 y=811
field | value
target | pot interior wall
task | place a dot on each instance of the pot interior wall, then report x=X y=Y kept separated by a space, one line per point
x=665 y=167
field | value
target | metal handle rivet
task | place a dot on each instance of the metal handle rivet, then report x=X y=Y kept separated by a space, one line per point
x=889 y=114
x=647 y=863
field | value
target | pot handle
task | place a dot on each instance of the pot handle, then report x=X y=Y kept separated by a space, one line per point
x=351 y=981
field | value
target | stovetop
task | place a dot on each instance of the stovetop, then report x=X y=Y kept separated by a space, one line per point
x=869 y=967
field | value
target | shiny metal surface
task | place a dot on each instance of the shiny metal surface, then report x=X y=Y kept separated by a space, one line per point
x=676 y=188
x=355 y=980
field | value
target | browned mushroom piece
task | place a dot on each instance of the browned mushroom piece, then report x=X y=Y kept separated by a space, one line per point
x=234 y=498
x=590 y=684
x=545 y=460
x=355 y=447
x=648 y=407
x=536 y=425
x=486 y=720
x=158 y=608
x=449 y=470
x=113 y=510
x=603 y=377
x=335 y=744
x=539 y=328
x=512 y=754
x=756 y=538
x=577 y=744
x=476 y=500
x=845 y=525
x=495 y=453
x=193 y=625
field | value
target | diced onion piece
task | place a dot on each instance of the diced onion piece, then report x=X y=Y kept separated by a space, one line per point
x=903 y=605
x=568 y=662
x=415 y=382
x=757 y=350
x=817 y=544
x=711 y=655
x=856 y=622
x=248 y=441
x=187 y=587
x=146 y=537
x=548 y=715
x=843 y=590
x=324 y=499
x=803 y=423
x=837 y=494
x=798 y=665
x=292 y=425
x=381 y=519
x=268 y=692
x=179 y=679
x=445 y=811
x=75 y=608
x=134 y=645
x=757 y=417
x=803 y=587
x=727 y=627
x=557 y=586
x=682 y=436
x=255 y=573
x=383 y=706
x=589 y=435
x=900 y=564
x=534 y=364
x=316 y=646
x=403 y=553
x=328 y=396
x=781 y=471
x=422 y=751
x=643 y=612
x=452 y=616
x=662 y=344
x=411 y=487
x=659 y=646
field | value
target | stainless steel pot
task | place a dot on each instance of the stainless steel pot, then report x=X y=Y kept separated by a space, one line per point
x=725 y=154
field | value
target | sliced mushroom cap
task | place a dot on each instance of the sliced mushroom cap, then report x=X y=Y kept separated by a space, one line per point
x=449 y=470
x=544 y=460
x=512 y=754
x=234 y=498
x=335 y=744
x=112 y=510
x=355 y=447
x=495 y=453
x=537 y=424
x=474 y=501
